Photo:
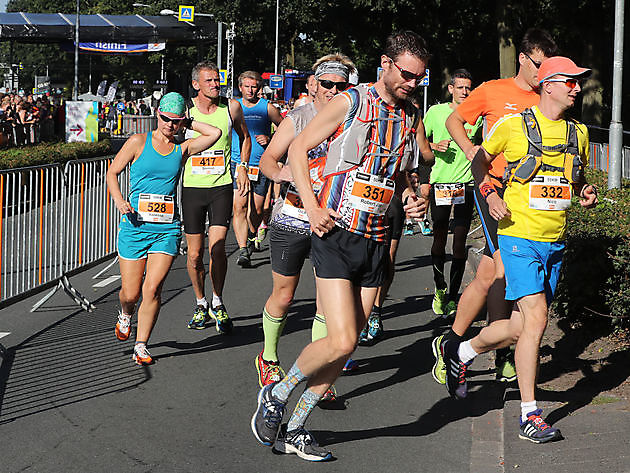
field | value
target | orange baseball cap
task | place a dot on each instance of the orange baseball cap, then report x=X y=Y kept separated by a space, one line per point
x=560 y=65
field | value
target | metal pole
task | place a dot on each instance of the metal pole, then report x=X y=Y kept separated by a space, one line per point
x=219 y=41
x=75 y=93
x=615 y=137
x=231 y=34
x=162 y=88
x=90 y=81
x=426 y=89
x=275 y=69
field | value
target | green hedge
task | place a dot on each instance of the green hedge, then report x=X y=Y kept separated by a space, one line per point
x=46 y=153
x=595 y=282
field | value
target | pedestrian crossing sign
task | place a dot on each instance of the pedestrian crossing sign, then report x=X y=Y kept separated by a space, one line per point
x=223 y=76
x=186 y=13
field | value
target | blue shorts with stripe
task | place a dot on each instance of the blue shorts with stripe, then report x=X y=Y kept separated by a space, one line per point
x=489 y=224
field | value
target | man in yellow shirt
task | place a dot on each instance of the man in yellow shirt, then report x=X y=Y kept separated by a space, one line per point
x=546 y=155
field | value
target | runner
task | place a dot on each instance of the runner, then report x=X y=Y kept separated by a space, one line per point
x=259 y=114
x=150 y=233
x=290 y=231
x=546 y=156
x=492 y=100
x=451 y=189
x=375 y=126
x=207 y=194
x=311 y=90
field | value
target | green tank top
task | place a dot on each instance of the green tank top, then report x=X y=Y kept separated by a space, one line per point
x=194 y=175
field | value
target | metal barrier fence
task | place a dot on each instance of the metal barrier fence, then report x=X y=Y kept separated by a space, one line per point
x=132 y=124
x=55 y=219
x=599 y=158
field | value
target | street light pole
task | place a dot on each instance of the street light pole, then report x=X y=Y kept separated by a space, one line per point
x=275 y=69
x=75 y=94
x=219 y=41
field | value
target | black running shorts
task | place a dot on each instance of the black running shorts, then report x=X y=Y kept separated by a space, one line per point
x=213 y=202
x=341 y=254
x=289 y=250
x=462 y=213
x=489 y=224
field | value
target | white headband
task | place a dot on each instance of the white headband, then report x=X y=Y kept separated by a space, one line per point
x=331 y=67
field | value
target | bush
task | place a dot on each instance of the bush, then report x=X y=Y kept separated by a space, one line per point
x=46 y=153
x=595 y=278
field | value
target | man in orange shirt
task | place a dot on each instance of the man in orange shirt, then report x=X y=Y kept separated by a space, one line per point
x=492 y=100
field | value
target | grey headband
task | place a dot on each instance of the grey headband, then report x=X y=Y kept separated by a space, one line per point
x=331 y=67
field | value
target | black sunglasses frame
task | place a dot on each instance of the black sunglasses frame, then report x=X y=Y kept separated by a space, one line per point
x=329 y=84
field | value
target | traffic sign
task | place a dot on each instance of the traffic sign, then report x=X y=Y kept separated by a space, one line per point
x=425 y=80
x=186 y=13
x=379 y=72
x=120 y=106
x=223 y=76
x=275 y=81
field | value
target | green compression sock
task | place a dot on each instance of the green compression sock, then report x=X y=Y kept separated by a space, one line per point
x=319 y=329
x=272 y=329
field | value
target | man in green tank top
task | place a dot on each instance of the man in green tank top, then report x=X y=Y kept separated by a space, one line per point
x=207 y=193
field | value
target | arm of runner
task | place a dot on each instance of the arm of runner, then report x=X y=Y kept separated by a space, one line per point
x=128 y=153
x=319 y=129
x=239 y=126
x=441 y=146
x=455 y=126
x=415 y=207
x=269 y=162
x=276 y=119
x=423 y=145
x=480 y=169
x=208 y=136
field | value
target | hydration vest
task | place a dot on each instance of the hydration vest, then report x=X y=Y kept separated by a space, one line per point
x=348 y=150
x=528 y=166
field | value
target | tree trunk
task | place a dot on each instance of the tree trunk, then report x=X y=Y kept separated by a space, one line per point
x=507 y=50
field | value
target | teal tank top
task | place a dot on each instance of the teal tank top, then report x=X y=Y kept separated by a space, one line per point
x=154 y=173
x=258 y=123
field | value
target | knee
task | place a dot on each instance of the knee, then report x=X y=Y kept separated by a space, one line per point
x=217 y=251
x=151 y=292
x=129 y=296
x=283 y=296
x=194 y=257
x=343 y=345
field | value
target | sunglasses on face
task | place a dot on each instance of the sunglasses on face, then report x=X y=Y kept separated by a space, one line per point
x=570 y=83
x=407 y=75
x=329 y=84
x=166 y=119
x=535 y=63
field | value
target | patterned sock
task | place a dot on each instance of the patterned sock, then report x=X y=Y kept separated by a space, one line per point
x=303 y=408
x=319 y=329
x=284 y=388
x=272 y=329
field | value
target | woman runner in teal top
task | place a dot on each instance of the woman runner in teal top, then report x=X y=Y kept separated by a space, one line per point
x=149 y=231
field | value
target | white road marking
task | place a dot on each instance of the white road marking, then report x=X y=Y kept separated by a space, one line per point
x=107 y=281
x=4 y=334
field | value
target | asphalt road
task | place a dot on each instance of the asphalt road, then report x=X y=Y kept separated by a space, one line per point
x=71 y=400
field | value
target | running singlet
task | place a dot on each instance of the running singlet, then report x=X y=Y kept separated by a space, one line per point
x=451 y=165
x=530 y=217
x=211 y=168
x=258 y=123
x=284 y=217
x=493 y=100
x=153 y=179
x=370 y=184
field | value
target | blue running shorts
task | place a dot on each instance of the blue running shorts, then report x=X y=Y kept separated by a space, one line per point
x=136 y=244
x=530 y=266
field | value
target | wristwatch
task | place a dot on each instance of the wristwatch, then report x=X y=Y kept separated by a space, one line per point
x=243 y=164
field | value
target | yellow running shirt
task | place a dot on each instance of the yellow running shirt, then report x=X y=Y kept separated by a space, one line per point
x=507 y=136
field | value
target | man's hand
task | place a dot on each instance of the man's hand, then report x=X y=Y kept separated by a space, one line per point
x=262 y=140
x=416 y=207
x=442 y=146
x=321 y=220
x=588 y=199
x=497 y=207
x=242 y=181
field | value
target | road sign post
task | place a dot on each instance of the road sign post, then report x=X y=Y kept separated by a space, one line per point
x=275 y=81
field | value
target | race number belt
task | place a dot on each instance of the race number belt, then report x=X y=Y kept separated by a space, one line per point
x=447 y=194
x=253 y=172
x=293 y=205
x=371 y=193
x=549 y=193
x=208 y=162
x=156 y=208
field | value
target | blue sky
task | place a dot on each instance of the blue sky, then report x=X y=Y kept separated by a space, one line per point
x=3 y=5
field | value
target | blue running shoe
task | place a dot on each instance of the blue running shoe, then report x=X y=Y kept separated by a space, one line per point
x=363 y=336
x=199 y=318
x=455 y=369
x=375 y=327
x=536 y=430
x=350 y=366
x=266 y=420
x=223 y=321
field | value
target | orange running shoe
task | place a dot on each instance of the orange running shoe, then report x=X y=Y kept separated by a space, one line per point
x=268 y=371
x=123 y=326
x=141 y=355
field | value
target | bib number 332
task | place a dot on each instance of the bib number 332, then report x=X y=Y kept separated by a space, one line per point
x=549 y=193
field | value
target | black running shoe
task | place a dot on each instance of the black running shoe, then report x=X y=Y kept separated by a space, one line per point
x=455 y=369
x=266 y=420
x=243 y=258
x=537 y=430
x=301 y=442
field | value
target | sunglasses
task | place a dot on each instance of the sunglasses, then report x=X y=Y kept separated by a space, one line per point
x=407 y=75
x=570 y=83
x=166 y=119
x=535 y=63
x=329 y=84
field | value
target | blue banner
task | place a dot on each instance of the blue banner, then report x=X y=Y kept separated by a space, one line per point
x=121 y=48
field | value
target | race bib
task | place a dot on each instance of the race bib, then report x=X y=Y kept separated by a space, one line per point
x=371 y=193
x=208 y=162
x=447 y=194
x=156 y=208
x=293 y=206
x=549 y=193
x=253 y=172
